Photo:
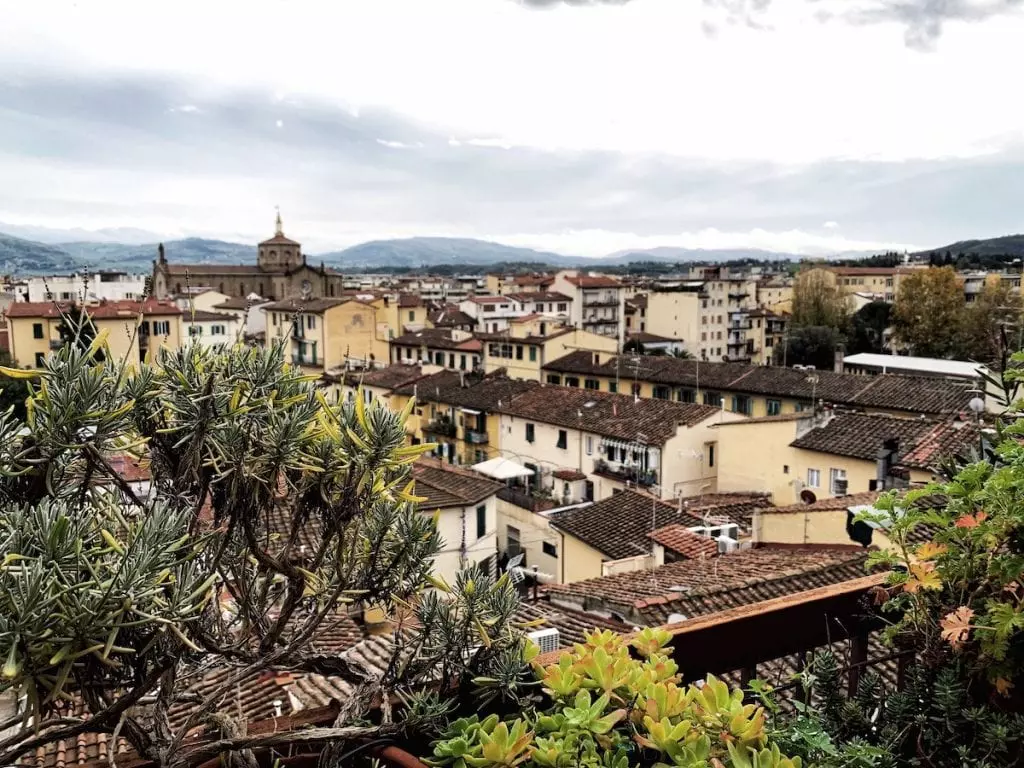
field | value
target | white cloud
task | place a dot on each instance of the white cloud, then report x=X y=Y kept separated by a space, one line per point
x=279 y=123
x=186 y=108
x=399 y=144
x=636 y=77
x=831 y=225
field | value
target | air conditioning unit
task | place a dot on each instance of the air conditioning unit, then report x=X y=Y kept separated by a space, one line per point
x=548 y=640
x=727 y=544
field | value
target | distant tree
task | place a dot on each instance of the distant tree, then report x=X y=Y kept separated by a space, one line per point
x=681 y=354
x=815 y=345
x=818 y=301
x=997 y=311
x=929 y=312
x=868 y=326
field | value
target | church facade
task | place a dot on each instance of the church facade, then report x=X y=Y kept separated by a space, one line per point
x=280 y=273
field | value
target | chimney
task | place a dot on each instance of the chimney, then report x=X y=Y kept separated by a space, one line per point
x=886 y=458
x=839 y=357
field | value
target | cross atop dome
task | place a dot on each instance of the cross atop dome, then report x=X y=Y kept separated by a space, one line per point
x=278 y=228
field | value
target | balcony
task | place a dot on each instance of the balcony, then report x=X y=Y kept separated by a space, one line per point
x=476 y=438
x=625 y=473
x=524 y=499
x=444 y=427
x=306 y=360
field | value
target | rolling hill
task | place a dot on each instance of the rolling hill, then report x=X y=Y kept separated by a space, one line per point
x=1008 y=245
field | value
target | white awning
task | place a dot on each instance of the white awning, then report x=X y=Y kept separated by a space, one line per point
x=501 y=468
x=470 y=411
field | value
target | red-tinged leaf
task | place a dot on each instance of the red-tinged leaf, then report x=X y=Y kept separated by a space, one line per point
x=1003 y=686
x=956 y=626
x=971 y=521
x=922 y=576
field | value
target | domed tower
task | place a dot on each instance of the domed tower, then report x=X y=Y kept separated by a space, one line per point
x=279 y=253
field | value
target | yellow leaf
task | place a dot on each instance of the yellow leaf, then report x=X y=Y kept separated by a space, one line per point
x=18 y=373
x=923 y=576
x=1003 y=686
x=956 y=626
x=930 y=550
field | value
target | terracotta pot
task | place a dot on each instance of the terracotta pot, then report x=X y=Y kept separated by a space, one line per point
x=396 y=757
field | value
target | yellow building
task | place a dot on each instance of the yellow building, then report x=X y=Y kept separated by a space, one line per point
x=828 y=454
x=756 y=390
x=533 y=341
x=776 y=295
x=135 y=330
x=765 y=330
x=328 y=333
x=500 y=285
x=873 y=283
x=676 y=314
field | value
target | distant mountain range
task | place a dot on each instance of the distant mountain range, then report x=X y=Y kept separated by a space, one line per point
x=24 y=256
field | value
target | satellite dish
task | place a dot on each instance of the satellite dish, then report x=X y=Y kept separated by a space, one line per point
x=807 y=496
x=514 y=569
x=675 y=618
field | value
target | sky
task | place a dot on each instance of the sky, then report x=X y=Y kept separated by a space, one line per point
x=580 y=126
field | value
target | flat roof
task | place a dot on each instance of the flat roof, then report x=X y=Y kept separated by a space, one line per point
x=917 y=364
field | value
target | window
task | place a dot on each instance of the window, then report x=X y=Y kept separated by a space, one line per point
x=661 y=392
x=530 y=436
x=533 y=354
x=549 y=549
x=481 y=521
x=311 y=321
x=563 y=307
x=519 y=351
x=40 y=359
x=588 y=443
x=554 y=378
x=713 y=398
x=686 y=396
x=774 y=407
x=439 y=358
x=218 y=330
x=741 y=404
x=195 y=330
x=462 y=362
x=785 y=469
x=161 y=327
x=572 y=381
x=563 y=439
x=512 y=536
x=613 y=386
x=704 y=336
x=412 y=315
x=37 y=330
x=273 y=318
x=636 y=390
x=837 y=481
x=711 y=455
x=813 y=478
x=591 y=384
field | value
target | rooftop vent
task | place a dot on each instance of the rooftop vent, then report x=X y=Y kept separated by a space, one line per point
x=549 y=640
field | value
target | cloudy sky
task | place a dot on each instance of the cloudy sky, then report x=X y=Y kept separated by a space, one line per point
x=584 y=126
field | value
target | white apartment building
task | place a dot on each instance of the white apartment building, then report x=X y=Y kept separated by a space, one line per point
x=615 y=441
x=598 y=301
x=109 y=285
x=494 y=314
x=211 y=329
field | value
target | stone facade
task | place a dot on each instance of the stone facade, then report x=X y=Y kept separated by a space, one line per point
x=280 y=272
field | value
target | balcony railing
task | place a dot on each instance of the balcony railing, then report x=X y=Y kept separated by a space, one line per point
x=627 y=474
x=443 y=427
x=524 y=499
x=476 y=438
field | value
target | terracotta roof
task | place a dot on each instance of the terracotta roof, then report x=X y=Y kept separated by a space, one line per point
x=450 y=318
x=202 y=316
x=436 y=338
x=409 y=300
x=573 y=626
x=279 y=240
x=533 y=279
x=619 y=526
x=388 y=377
x=735 y=508
x=240 y=302
x=912 y=394
x=644 y=337
x=593 y=281
x=677 y=538
x=607 y=414
x=101 y=311
x=553 y=332
x=696 y=587
x=568 y=475
x=826 y=505
x=922 y=443
x=446 y=486
x=213 y=270
x=638 y=302
x=490 y=299
x=315 y=306
x=539 y=296
x=130 y=469
x=483 y=393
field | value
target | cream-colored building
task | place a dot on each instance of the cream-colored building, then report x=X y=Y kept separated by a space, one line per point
x=825 y=454
x=675 y=311
x=597 y=301
x=135 y=330
x=532 y=341
x=211 y=329
x=616 y=441
x=776 y=295
x=328 y=333
x=465 y=506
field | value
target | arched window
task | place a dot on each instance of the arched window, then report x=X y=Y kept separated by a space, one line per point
x=273 y=254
